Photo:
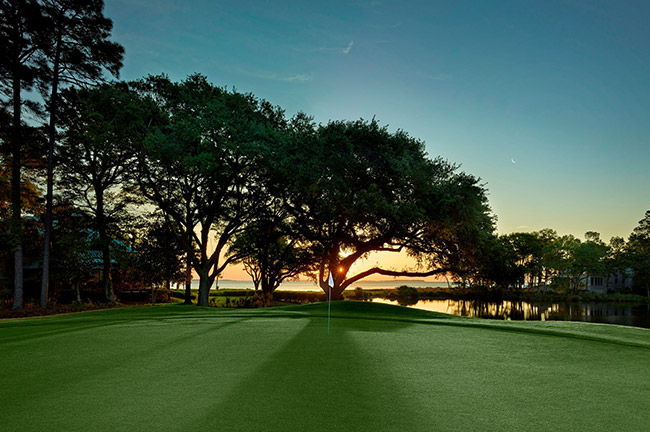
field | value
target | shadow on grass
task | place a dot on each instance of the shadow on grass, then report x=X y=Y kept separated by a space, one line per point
x=316 y=381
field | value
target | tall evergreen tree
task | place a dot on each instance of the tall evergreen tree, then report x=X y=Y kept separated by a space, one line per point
x=101 y=126
x=19 y=26
x=78 y=53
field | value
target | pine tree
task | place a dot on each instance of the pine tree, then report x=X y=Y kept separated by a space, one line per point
x=19 y=24
x=78 y=53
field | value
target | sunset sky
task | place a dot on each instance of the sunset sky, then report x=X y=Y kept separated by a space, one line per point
x=547 y=101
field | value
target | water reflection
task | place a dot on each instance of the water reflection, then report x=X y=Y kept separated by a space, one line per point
x=612 y=313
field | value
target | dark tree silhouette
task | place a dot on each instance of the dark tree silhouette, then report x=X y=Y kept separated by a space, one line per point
x=199 y=165
x=101 y=128
x=638 y=248
x=270 y=252
x=78 y=51
x=355 y=188
x=19 y=26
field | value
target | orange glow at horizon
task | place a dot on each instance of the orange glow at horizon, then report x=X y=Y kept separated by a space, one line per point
x=386 y=260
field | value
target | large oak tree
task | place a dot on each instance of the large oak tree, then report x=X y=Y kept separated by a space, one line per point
x=199 y=165
x=356 y=188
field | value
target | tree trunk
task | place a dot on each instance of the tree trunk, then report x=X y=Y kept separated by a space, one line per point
x=188 y=279
x=265 y=285
x=16 y=217
x=205 y=282
x=188 y=257
x=105 y=243
x=45 y=281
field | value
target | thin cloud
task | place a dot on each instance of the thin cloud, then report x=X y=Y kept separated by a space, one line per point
x=338 y=50
x=272 y=76
x=297 y=78
x=285 y=78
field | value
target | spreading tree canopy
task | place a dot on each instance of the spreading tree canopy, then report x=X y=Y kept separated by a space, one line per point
x=199 y=165
x=354 y=188
x=102 y=127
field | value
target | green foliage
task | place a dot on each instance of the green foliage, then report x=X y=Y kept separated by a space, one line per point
x=76 y=51
x=102 y=125
x=355 y=187
x=157 y=256
x=300 y=297
x=638 y=254
x=358 y=294
x=269 y=252
x=405 y=295
x=199 y=164
x=257 y=300
x=75 y=42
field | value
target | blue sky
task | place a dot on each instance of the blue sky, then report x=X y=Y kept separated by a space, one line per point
x=562 y=88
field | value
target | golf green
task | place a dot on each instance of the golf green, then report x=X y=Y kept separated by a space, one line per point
x=381 y=368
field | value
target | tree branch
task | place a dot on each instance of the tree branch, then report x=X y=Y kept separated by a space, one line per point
x=377 y=270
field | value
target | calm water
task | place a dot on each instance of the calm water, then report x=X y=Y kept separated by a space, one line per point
x=637 y=315
x=610 y=313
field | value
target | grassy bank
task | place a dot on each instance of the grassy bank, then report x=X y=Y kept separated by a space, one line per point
x=382 y=368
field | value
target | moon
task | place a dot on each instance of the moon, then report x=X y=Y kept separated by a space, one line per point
x=513 y=160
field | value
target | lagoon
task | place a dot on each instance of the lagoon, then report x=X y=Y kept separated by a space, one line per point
x=629 y=314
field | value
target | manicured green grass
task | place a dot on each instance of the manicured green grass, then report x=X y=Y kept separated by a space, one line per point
x=382 y=368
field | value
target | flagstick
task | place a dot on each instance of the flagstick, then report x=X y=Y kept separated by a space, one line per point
x=329 y=306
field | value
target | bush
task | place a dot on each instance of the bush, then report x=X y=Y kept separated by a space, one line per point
x=235 y=292
x=258 y=300
x=358 y=294
x=405 y=295
x=162 y=295
x=299 y=296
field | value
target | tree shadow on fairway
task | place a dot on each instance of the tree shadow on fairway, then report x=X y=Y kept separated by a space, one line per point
x=89 y=371
x=316 y=381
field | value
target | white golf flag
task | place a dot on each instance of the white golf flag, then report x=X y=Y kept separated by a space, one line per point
x=330 y=282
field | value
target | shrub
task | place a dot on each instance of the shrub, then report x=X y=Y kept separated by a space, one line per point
x=405 y=295
x=358 y=294
x=299 y=296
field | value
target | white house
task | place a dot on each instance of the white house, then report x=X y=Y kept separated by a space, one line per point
x=604 y=284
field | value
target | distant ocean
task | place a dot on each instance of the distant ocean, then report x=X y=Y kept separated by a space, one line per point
x=311 y=286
